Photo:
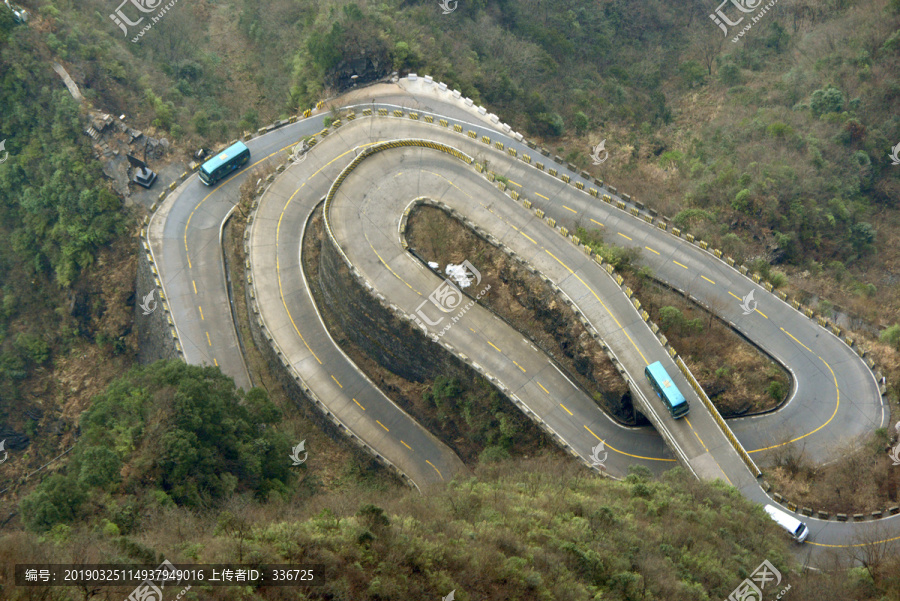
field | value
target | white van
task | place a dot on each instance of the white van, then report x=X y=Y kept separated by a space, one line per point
x=797 y=529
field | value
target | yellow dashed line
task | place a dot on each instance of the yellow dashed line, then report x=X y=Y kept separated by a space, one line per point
x=623 y=235
x=564 y=407
x=707 y=279
x=495 y=346
x=336 y=380
x=679 y=264
x=195 y=286
x=514 y=183
x=542 y=196
x=568 y=209
x=201 y=313
x=836 y=405
x=651 y=250
x=542 y=387
x=383 y=262
x=360 y=406
x=600 y=300
x=208 y=340
x=215 y=362
x=735 y=296
x=520 y=367
x=761 y=313
x=598 y=223
x=383 y=426
x=435 y=469
x=615 y=450
x=529 y=237
x=406 y=445
x=695 y=434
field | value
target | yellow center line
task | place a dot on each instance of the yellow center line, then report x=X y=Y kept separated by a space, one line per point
x=679 y=264
x=623 y=235
x=651 y=250
x=836 y=405
x=542 y=196
x=406 y=445
x=383 y=426
x=278 y=261
x=591 y=290
x=215 y=362
x=695 y=434
x=201 y=313
x=867 y=543
x=195 y=286
x=615 y=450
x=529 y=237
x=495 y=346
x=435 y=469
x=568 y=209
x=208 y=340
x=735 y=296
x=336 y=380
x=707 y=279
x=598 y=223
x=514 y=183
x=214 y=190
x=761 y=313
x=564 y=407
x=542 y=387
x=360 y=406
x=520 y=367
x=383 y=262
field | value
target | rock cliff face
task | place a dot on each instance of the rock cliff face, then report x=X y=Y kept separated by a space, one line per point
x=154 y=335
x=394 y=344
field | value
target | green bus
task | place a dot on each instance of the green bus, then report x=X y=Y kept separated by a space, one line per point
x=666 y=390
x=230 y=159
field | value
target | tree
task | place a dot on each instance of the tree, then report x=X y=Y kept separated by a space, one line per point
x=826 y=100
x=670 y=318
x=581 y=123
x=99 y=467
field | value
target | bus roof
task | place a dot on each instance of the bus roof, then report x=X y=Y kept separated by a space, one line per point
x=665 y=382
x=222 y=157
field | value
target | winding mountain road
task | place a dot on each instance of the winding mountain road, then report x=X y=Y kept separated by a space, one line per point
x=437 y=157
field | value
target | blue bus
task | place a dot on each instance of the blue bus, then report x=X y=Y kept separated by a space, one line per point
x=230 y=159
x=666 y=390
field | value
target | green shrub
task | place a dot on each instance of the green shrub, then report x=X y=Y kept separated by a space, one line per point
x=776 y=390
x=826 y=100
x=891 y=336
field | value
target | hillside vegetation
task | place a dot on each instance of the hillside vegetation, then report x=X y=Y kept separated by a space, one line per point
x=150 y=480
